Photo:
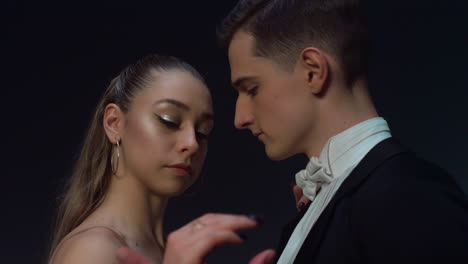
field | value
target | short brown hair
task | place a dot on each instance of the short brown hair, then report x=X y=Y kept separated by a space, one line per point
x=283 y=28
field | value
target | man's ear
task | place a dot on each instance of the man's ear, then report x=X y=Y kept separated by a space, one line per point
x=113 y=121
x=314 y=69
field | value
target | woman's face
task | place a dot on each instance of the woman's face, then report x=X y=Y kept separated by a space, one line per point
x=164 y=140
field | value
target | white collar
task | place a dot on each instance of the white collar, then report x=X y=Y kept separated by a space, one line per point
x=337 y=160
x=337 y=157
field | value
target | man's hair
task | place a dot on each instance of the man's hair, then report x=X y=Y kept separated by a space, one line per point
x=283 y=28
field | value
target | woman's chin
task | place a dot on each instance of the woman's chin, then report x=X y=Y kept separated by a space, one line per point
x=171 y=189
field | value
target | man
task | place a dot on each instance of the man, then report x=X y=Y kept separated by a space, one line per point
x=300 y=69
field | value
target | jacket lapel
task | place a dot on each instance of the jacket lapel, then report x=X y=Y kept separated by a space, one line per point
x=384 y=150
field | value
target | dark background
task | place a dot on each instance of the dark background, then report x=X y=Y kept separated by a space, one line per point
x=58 y=58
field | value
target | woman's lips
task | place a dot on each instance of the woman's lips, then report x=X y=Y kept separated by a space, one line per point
x=181 y=169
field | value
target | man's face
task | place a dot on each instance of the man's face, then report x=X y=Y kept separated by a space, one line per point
x=272 y=103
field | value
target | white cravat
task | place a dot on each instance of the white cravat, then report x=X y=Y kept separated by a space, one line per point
x=324 y=175
x=315 y=174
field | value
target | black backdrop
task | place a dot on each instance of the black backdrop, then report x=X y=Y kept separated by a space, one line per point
x=58 y=57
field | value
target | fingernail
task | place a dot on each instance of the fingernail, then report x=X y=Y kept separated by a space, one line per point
x=257 y=218
x=301 y=206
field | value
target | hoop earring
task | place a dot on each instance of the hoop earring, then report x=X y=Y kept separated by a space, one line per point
x=114 y=171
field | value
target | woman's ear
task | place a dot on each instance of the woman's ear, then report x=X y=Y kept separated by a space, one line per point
x=314 y=68
x=113 y=121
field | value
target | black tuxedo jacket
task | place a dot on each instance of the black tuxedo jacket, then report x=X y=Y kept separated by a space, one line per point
x=393 y=208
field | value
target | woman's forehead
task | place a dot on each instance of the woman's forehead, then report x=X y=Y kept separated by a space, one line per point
x=179 y=86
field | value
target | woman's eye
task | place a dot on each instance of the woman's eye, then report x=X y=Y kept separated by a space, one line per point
x=202 y=135
x=252 y=91
x=168 y=121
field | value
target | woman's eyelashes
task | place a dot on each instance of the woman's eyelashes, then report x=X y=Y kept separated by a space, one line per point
x=168 y=121
x=202 y=135
x=172 y=123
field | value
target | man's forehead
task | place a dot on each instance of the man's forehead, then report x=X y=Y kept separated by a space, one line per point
x=241 y=59
x=241 y=46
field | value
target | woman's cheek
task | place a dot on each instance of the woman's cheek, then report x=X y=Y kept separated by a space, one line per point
x=148 y=139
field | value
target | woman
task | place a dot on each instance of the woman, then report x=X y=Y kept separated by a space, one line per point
x=146 y=142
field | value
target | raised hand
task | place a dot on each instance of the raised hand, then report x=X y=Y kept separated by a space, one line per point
x=192 y=243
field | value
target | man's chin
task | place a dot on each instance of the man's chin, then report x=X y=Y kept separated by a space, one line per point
x=276 y=154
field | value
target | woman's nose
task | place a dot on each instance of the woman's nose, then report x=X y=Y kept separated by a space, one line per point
x=188 y=142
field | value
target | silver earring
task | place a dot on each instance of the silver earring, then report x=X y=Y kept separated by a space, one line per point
x=114 y=171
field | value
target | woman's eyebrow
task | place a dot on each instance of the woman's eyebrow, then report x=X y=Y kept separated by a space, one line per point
x=173 y=102
x=179 y=104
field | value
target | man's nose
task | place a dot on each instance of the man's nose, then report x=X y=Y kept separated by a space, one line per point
x=243 y=116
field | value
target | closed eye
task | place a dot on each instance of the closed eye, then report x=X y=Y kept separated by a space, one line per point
x=202 y=136
x=252 y=91
x=168 y=122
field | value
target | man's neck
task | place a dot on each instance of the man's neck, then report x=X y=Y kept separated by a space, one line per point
x=341 y=110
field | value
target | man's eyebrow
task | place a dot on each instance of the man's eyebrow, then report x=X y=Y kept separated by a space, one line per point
x=237 y=83
x=173 y=102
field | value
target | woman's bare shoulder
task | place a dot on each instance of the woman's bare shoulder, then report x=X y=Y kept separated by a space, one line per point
x=95 y=245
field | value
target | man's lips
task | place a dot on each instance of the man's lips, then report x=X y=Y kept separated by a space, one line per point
x=256 y=134
x=183 y=169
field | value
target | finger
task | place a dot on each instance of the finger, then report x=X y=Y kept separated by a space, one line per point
x=228 y=221
x=301 y=200
x=302 y=203
x=304 y=200
x=128 y=256
x=264 y=257
x=197 y=247
x=198 y=238
x=297 y=192
x=208 y=240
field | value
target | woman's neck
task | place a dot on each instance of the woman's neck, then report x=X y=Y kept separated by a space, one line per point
x=130 y=208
